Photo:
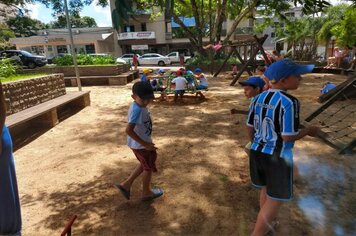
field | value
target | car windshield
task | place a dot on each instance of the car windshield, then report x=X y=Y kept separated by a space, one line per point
x=27 y=54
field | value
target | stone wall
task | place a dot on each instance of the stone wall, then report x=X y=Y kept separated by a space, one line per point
x=69 y=71
x=23 y=94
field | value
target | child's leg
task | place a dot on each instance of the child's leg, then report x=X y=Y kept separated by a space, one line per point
x=146 y=183
x=265 y=217
x=128 y=182
x=175 y=96
x=208 y=46
x=263 y=196
x=181 y=95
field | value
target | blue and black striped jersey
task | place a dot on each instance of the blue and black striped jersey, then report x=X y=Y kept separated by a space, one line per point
x=272 y=114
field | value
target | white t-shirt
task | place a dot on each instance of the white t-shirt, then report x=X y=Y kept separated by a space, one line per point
x=203 y=80
x=180 y=82
x=139 y=116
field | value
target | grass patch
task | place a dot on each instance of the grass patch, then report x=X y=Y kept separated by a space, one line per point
x=21 y=77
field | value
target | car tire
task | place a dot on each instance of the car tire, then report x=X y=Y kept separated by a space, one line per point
x=31 y=65
x=161 y=63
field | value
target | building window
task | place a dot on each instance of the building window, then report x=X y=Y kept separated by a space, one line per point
x=143 y=27
x=129 y=28
x=90 y=48
x=62 y=49
x=273 y=34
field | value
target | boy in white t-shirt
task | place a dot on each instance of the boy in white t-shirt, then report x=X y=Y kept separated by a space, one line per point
x=138 y=130
x=181 y=85
x=203 y=81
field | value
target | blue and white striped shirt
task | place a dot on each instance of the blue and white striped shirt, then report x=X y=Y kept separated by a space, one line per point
x=272 y=114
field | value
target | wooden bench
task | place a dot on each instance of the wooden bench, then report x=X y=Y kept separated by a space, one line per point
x=121 y=79
x=46 y=114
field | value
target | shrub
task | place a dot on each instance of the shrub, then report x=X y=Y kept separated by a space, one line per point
x=8 y=68
x=83 y=59
x=102 y=60
x=66 y=60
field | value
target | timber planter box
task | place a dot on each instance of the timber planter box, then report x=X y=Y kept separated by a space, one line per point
x=92 y=70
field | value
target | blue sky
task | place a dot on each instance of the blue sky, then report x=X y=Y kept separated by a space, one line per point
x=101 y=15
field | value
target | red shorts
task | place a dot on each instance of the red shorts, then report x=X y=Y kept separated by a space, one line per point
x=146 y=158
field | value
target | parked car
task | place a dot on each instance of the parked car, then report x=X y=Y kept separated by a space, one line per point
x=128 y=57
x=175 y=57
x=27 y=59
x=120 y=61
x=154 y=59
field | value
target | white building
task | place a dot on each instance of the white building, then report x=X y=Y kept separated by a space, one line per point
x=51 y=42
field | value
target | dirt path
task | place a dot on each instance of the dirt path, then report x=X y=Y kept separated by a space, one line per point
x=71 y=169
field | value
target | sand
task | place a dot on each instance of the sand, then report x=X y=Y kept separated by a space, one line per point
x=72 y=168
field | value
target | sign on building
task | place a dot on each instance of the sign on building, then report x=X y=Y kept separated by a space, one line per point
x=139 y=47
x=137 y=35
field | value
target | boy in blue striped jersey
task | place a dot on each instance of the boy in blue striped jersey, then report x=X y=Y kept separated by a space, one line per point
x=273 y=126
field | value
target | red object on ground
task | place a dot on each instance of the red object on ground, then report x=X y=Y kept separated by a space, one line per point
x=68 y=228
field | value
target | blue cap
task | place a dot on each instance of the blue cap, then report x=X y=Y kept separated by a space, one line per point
x=189 y=72
x=197 y=70
x=161 y=71
x=254 y=81
x=284 y=68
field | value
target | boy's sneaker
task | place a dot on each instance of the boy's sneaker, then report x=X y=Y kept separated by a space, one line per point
x=157 y=192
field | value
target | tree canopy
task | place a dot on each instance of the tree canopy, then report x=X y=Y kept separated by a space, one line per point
x=24 y=26
x=78 y=22
x=209 y=15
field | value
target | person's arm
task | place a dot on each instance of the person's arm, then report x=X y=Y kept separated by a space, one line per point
x=250 y=133
x=290 y=124
x=2 y=114
x=311 y=131
x=130 y=132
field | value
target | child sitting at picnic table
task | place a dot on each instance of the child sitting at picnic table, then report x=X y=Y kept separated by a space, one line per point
x=156 y=82
x=180 y=85
x=145 y=75
x=190 y=79
x=203 y=81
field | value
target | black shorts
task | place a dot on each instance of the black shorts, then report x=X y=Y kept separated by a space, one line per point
x=272 y=172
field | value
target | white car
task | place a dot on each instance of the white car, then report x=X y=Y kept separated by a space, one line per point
x=153 y=59
x=120 y=61
x=128 y=57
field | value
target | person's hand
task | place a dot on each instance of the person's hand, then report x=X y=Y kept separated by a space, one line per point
x=313 y=130
x=150 y=146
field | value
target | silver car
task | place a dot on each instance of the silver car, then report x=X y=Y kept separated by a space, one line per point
x=154 y=59
x=128 y=57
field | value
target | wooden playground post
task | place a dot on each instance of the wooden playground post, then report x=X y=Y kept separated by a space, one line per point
x=68 y=228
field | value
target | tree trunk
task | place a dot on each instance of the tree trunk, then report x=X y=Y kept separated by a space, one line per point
x=239 y=18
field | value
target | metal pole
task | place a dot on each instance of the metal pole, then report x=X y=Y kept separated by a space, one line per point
x=72 y=47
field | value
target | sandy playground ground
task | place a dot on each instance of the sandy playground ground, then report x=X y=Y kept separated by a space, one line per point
x=72 y=168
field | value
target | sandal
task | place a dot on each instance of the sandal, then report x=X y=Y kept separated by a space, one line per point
x=156 y=192
x=124 y=192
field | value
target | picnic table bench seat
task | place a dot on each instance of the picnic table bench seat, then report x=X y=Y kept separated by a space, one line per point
x=46 y=113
